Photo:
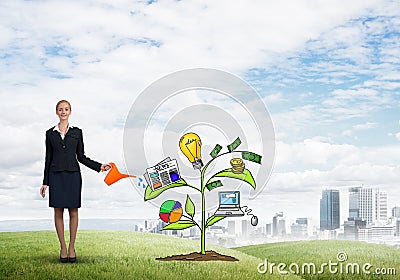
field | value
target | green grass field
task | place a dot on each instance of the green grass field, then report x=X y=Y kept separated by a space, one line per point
x=131 y=255
x=323 y=251
x=116 y=255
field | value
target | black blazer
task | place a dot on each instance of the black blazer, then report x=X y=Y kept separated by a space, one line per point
x=62 y=155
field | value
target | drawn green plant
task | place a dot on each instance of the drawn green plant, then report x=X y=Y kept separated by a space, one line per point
x=211 y=184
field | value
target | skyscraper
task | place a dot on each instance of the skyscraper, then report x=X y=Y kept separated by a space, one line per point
x=268 y=229
x=354 y=205
x=275 y=226
x=368 y=204
x=275 y=229
x=381 y=208
x=231 y=228
x=329 y=210
x=282 y=227
x=245 y=228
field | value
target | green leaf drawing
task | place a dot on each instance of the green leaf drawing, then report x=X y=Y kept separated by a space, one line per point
x=181 y=224
x=245 y=176
x=150 y=194
x=189 y=206
x=213 y=219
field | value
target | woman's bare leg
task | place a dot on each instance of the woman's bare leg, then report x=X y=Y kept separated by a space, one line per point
x=59 y=223
x=73 y=228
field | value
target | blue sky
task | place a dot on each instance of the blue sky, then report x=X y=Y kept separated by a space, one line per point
x=357 y=73
x=329 y=74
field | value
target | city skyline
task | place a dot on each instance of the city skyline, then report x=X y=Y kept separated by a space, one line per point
x=372 y=209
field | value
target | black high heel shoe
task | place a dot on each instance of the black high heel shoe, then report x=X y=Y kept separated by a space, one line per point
x=72 y=260
x=63 y=260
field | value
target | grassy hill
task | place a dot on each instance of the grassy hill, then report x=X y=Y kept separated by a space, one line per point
x=131 y=255
x=380 y=257
x=116 y=255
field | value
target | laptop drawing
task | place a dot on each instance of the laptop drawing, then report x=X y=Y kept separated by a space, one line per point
x=229 y=204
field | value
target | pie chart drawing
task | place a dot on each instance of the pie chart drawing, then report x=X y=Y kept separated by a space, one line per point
x=171 y=211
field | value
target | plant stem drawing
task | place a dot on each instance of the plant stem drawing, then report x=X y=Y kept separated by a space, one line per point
x=190 y=145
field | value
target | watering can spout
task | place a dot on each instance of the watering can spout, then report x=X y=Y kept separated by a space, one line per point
x=114 y=175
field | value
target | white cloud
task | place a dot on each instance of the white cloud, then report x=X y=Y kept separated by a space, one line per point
x=189 y=34
x=295 y=120
x=365 y=126
x=398 y=135
x=347 y=132
x=273 y=98
x=354 y=94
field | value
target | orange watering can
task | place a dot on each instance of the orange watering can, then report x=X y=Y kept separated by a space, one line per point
x=114 y=175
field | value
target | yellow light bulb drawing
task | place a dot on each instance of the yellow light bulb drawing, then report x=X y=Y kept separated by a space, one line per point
x=190 y=145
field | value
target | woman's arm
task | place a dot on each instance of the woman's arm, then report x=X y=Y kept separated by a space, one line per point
x=47 y=160
x=82 y=158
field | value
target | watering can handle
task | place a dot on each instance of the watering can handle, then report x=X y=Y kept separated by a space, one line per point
x=111 y=165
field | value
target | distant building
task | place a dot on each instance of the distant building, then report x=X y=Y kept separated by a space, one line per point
x=384 y=231
x=330 y=210
x=298 y=230
x=216 y=230
x=282 y=227
x=381 y=207
x=368 y=204
x=354 y=203
x=351 y=228
x=268 y=229
x=231 y=228
x=275 y=226
x=376 y=232
x=327 y=235
x=364 y=234
x=396 y=212
x=302 y=227
x=245 y=228
x=194 y=232
x=398 y=228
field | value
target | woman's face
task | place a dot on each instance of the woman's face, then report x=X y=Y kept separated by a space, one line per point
x=63 y=111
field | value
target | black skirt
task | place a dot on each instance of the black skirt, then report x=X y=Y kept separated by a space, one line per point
x=65 y=189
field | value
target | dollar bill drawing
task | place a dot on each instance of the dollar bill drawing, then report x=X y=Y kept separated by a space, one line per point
x=216 y=151
x=214 y=185
x=252 y=157
x=234 y=145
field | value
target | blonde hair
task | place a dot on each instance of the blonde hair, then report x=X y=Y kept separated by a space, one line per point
x=63 y=101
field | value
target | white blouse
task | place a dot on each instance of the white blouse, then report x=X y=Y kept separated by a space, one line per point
x=56 y=128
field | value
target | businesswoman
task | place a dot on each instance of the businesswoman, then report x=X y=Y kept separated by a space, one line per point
x=64 y=148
